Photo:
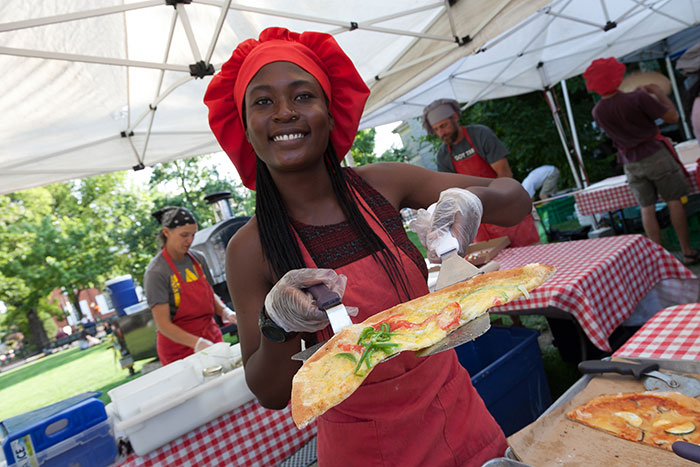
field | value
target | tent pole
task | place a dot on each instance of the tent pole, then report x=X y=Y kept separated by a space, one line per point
x=574 y=133
x=560 y=130
x=677 y=96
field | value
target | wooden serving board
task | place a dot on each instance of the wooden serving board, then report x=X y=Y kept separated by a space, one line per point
x=555 y=440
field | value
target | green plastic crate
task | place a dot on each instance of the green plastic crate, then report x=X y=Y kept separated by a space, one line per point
x=670 y=241
x=557 y=211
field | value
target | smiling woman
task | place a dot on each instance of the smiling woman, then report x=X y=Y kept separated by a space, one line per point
x=283 y=103
x=286 y=108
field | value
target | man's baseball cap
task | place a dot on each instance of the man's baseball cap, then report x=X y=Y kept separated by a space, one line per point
x=437 y=111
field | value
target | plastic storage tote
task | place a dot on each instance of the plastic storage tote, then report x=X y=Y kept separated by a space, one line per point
x=506 y=369
x=74 y=432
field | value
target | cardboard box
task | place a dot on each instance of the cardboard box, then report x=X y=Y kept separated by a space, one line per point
x=481 y=253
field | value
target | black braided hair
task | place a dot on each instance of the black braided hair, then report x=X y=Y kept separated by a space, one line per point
x=279 y=242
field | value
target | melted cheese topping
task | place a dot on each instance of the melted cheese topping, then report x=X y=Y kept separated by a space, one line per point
x=650 y=418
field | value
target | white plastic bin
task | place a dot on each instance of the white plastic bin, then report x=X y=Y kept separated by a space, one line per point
x=134 y=397
x=170 y=417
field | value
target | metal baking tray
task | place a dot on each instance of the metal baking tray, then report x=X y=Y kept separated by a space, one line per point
x=681 y=366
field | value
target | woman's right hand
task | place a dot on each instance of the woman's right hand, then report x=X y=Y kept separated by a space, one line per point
x=458 y=211
x=294 y=309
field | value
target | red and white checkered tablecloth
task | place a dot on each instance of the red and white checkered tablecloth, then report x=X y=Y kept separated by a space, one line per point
x=673 y=332
x=249 y=435
x=599 y=281
x=614 y=193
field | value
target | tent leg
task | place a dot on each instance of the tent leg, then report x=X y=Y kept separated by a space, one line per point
x=574 y=133
x=560 y=130
x=676 y=94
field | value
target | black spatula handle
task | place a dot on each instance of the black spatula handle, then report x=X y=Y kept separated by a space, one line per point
x=600 y=366
x=325 y=297
x=687 y=450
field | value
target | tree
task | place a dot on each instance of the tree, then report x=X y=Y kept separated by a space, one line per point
x=362 y=149
x=195 y=178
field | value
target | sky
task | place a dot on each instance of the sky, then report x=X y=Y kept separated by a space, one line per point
x=383 y=140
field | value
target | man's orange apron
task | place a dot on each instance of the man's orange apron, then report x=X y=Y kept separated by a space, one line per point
x=522 y=234
x=194 y=315
x=409 y=411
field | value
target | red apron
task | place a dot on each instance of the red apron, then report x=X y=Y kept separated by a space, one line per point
x=474 y=165
x=522 y=234
x=194 y=315
x=409 y=410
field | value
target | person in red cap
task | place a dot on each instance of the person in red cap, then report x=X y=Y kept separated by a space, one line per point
x=649 y=160
x=474 y=150
x=286 y=108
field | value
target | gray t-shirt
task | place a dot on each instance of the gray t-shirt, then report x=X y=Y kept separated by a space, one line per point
x=161 y=283
x=487 y=145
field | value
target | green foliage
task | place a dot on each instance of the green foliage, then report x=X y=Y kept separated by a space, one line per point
x=193 y=179
x=362 y=149
x=394 y=155
x=47 y=311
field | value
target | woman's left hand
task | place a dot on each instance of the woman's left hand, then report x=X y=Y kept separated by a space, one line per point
x=458 y=211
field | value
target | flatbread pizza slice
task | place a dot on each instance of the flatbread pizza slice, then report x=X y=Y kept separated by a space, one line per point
x=655 y=418
x=338 y=368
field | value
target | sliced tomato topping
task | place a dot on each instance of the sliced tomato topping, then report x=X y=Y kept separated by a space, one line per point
x=395 y=324
x=449 y=316
x=351 y=348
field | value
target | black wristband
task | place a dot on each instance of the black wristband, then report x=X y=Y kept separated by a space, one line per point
x=272 y=330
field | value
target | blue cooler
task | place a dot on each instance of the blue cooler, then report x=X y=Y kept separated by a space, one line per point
x=123 y=293
x=74 y=432
x=506 y=370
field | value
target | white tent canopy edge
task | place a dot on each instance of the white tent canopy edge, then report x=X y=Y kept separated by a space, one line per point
x=103 y=85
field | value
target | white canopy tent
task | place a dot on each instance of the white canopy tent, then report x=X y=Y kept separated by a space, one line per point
x=94 y=86
x=556 y=42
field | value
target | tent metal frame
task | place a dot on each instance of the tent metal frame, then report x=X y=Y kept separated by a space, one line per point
x=180 y=12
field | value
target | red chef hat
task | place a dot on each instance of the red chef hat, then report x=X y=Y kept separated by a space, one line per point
x=604 y=75
x=319 y=55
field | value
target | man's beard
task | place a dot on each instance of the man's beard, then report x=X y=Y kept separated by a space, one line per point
x=451 y=138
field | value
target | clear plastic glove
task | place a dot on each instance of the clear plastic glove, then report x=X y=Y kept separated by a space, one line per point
x=294 y=309
x=458 y=211
x=228 y=316
x=202 y=344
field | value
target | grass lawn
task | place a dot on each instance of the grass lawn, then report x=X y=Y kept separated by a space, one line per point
x=64 y=374
x=59 y=376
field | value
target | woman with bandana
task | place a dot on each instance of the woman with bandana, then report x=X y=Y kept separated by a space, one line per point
x=178 y=291
x=286 y=108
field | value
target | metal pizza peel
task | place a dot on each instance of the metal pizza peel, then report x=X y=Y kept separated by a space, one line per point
x=653 y=379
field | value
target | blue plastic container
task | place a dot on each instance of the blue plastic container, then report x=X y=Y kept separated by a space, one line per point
x=506 y=369
x=74 y=432
x=123 y=293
